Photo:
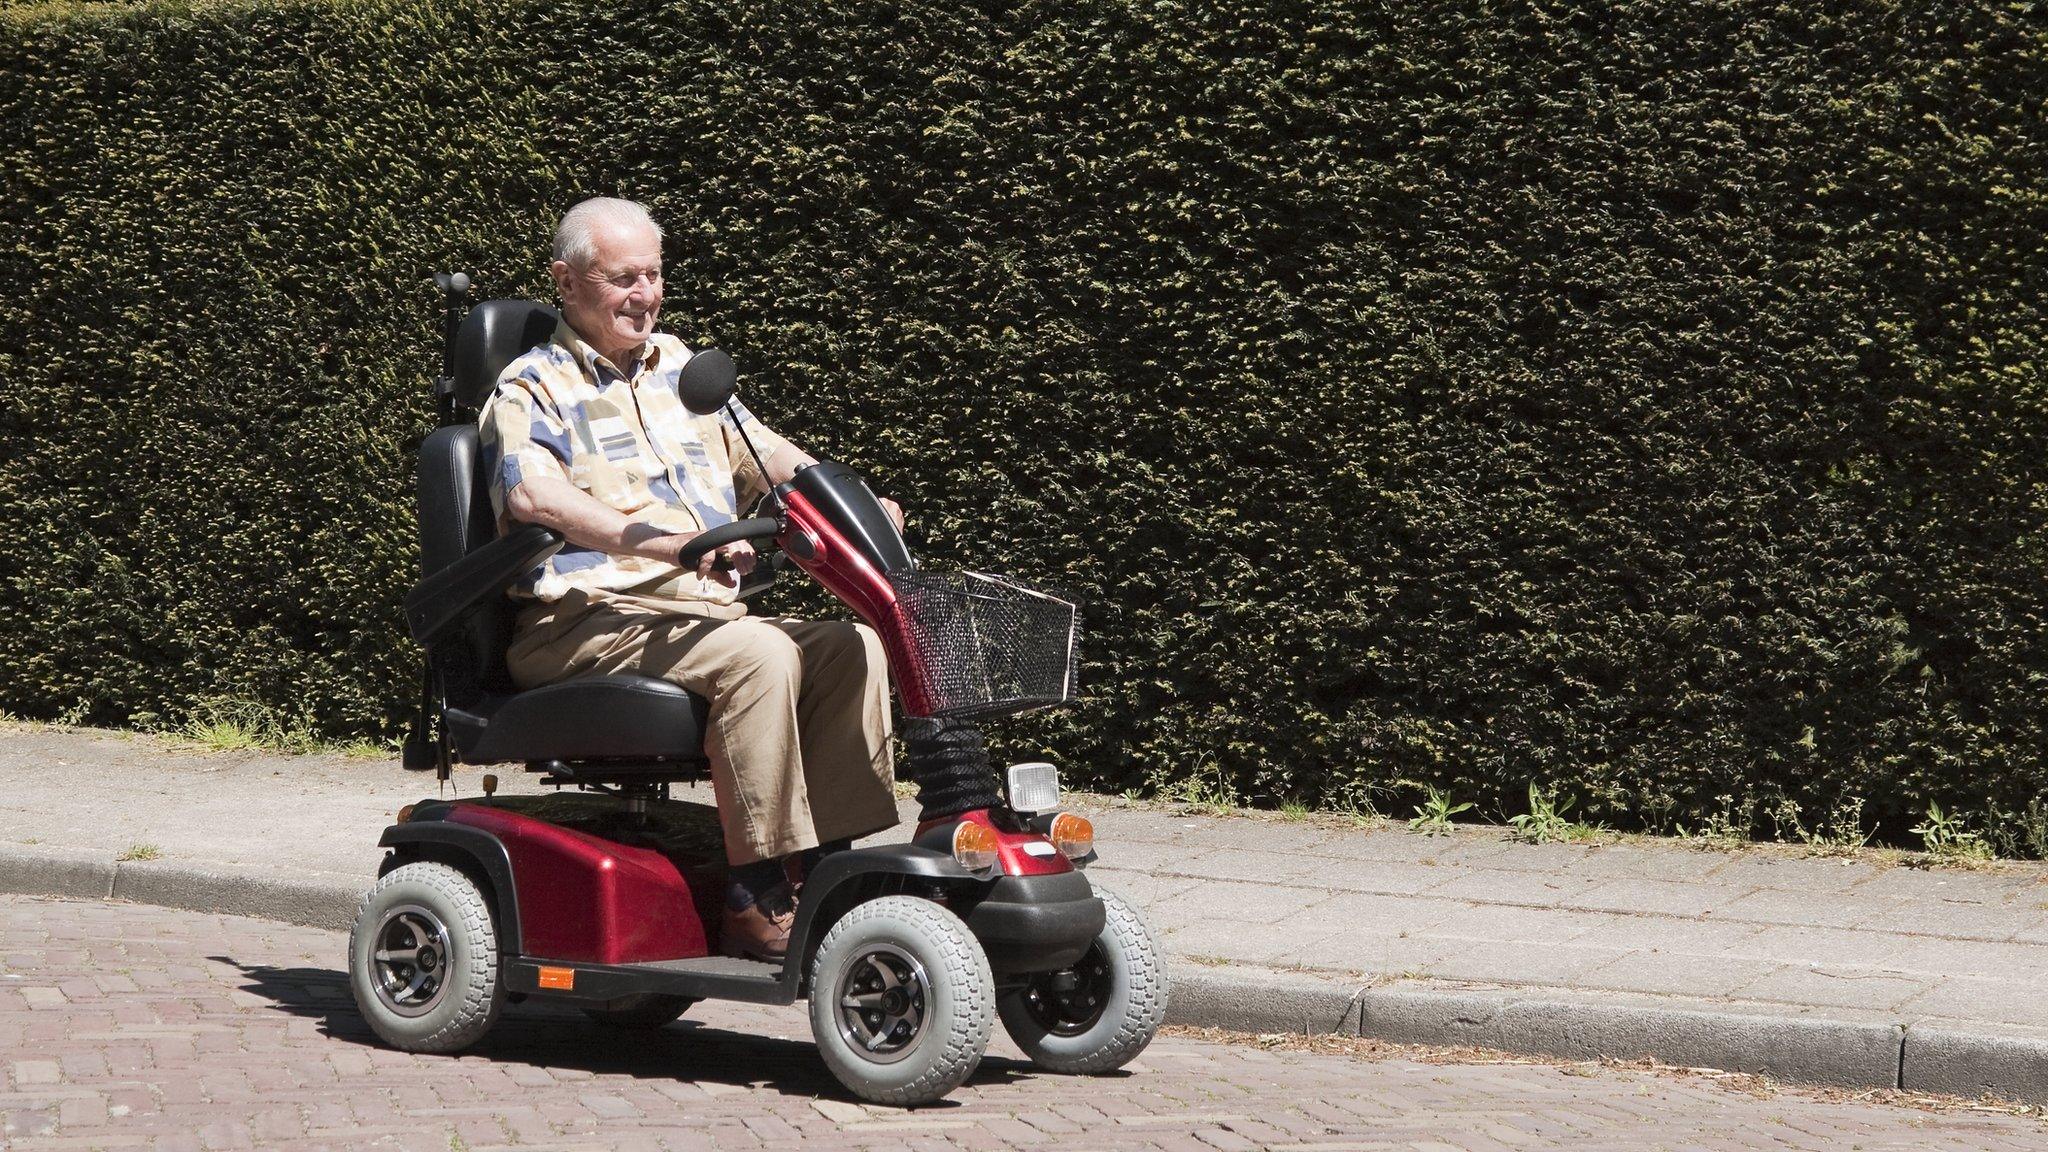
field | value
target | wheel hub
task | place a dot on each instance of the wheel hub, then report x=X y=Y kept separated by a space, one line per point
x=410 y=945
x=884 y=998
x=1069 y=1003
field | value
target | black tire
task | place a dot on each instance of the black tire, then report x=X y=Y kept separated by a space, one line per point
x=423 y=960
x=640 y=1012
x=902 y=1002
x=1112 y=1013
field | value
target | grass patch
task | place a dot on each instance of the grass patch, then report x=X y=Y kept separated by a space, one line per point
x=1949 y=839
x=139 y=852
x=228 y=724
x=1204 y=791
x=1548 y=820
x=1433 y=815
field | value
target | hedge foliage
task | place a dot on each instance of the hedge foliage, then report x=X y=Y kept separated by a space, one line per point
x=1645 y=400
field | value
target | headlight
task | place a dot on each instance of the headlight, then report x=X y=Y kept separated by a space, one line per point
x=1032 y=788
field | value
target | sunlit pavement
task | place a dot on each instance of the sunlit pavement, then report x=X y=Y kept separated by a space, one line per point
x=129 y=1026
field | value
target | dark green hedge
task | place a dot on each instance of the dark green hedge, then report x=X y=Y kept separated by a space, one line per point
x=1640 y=398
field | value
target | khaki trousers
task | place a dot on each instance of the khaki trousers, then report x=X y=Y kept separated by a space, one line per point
x=798 y=737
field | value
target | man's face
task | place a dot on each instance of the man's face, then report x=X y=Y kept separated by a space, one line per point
x=613 y=302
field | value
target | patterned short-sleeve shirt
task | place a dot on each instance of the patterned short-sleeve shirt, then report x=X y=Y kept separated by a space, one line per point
x=562 y=410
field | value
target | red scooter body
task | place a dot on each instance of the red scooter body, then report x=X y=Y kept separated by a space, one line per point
x=584 y=898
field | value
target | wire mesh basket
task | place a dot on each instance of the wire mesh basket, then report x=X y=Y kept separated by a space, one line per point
x=987 y=646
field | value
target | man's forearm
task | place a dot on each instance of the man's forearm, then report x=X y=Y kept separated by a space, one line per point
x=588 y=522
x=784 y=465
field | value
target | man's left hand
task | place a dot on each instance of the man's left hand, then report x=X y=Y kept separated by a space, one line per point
x=739 y=556
x=894 y=510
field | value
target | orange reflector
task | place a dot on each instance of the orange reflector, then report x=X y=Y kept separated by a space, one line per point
x=974 y=846
x=559 y=978
x=405 y=813
x=1073 y=835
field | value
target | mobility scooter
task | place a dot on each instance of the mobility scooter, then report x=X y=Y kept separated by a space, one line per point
x=603 y=898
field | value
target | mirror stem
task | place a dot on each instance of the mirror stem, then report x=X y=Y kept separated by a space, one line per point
x=732 y=413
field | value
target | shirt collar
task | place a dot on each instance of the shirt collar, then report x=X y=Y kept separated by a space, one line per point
x=588 y=359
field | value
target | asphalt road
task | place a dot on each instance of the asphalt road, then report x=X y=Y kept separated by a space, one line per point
x=128 y=1026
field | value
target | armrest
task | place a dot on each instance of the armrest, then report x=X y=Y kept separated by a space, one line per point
x=437 y=604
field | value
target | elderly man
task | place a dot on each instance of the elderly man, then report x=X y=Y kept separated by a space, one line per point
x=586 y=435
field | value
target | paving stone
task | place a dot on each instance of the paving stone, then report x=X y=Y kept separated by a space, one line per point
x=1229 y=902
x=1960 y=999
x=1294 y=869
x=1796 y=945
x=1659 y=896
x=1520 y=962
x=1394 y=954
x=1674 y=973
x=1772 y=870
x=2010 y=964
x=1495 y=923
x=1776 y=906
x=1960 y=920
x=1629 y=861
x=2026 y=885
x=1831 y=986
x=1526 y=889
x=1371 y=917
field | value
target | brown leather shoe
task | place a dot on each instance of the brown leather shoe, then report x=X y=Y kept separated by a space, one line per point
x=761 y=930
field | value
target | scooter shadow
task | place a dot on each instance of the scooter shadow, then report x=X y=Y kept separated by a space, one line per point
x=553 y=1035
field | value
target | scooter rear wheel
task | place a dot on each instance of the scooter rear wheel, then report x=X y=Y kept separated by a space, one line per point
x=423 y=960
x=902 y=1001
x=1104 y=1011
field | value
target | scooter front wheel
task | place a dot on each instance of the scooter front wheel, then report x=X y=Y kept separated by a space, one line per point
x=902 y=1001
x=423 y=960
x=1098 y=1015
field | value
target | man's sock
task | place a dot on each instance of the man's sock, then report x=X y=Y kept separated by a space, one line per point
x=808 y=861
x=747 y=883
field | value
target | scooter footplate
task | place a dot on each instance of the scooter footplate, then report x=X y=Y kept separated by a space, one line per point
x=701 y=977
x=717 y=966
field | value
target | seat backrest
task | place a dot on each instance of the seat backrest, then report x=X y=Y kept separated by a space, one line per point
x=492 y=335
x=455 y=518
x=455 y=500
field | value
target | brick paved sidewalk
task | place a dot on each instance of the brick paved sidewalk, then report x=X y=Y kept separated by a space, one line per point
x=1954 y=961
x=128 y=1026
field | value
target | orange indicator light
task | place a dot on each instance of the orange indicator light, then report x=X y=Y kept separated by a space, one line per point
x=1073 y=835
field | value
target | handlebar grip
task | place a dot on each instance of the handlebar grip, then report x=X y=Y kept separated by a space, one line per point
x=719 y=537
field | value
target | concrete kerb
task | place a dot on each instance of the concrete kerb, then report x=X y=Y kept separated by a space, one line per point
x=1789 y=1045
x=1852 y=1053
x=1938 y=1058
x=1254 y=1000
x=55 y=872
x=315 y=903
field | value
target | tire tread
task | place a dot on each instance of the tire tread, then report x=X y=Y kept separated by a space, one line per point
x=974 y=996
x=483 y=996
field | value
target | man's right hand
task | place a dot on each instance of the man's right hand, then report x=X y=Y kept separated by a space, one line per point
x=737 y=557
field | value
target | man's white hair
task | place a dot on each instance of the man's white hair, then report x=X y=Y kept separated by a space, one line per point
x=576 y=235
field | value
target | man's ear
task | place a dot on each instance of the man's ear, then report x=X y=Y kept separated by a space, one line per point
x=563 y=277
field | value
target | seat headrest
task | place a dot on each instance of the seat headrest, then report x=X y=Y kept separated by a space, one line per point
x=494 y=334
